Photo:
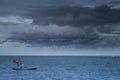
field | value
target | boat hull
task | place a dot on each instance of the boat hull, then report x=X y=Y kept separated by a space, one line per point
x=27 y=68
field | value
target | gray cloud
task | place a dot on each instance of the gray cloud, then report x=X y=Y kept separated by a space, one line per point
x=77 y=16
x=54 y=35
x=64 y=36
x=80 y=17
x=24 y=7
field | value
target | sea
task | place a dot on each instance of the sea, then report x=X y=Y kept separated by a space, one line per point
x=62 y=68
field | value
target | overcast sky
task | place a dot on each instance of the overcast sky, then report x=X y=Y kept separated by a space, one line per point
x=30 y=25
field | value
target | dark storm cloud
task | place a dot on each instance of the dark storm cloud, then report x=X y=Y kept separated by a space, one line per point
x=24 y=7
x=51 y=39
x=60 y=13
x=77 y=16
x=88 y=39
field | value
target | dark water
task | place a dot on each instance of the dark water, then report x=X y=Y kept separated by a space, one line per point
x=62 y=68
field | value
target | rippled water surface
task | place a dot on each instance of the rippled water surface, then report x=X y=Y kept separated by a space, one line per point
x=62 y=68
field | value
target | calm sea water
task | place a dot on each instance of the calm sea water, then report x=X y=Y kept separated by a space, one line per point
x=62 y=68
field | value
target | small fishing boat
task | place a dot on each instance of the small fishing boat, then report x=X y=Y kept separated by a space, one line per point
x=27 y=68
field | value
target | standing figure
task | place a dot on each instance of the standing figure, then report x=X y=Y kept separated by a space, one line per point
x=19 y=63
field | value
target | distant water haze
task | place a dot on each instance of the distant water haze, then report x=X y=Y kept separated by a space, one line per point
x=22 y=49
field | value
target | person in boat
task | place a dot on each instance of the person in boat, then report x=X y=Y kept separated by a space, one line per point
x=19 y=63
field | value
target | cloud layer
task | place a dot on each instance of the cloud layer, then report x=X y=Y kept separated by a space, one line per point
x=77 y=16
x=53 y=22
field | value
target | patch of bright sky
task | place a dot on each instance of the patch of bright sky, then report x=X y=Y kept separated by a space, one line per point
x=15 y=20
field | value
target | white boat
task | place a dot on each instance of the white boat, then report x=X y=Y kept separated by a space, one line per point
x=27 y=68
